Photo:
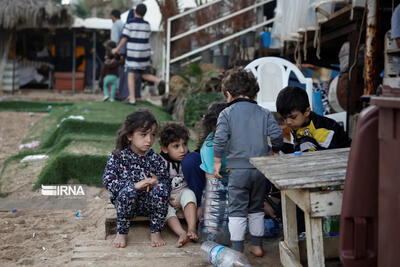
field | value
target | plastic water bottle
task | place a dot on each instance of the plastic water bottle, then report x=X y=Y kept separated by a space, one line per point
x=221 y=256
x=213 y=224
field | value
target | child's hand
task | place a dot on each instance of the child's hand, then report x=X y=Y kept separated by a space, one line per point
x=142 y=185
x=173 y=203
x=217 y=169
x=154 y=178
x=150 y=182
x=268 y=210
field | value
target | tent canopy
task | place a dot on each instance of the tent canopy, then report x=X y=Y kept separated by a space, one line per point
x=32 y=14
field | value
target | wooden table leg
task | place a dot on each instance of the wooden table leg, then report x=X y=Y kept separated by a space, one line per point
x=315 y=243
x=289 y=231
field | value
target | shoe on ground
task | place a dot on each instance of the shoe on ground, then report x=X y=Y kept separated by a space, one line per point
x=161 y=88
x=112 y=100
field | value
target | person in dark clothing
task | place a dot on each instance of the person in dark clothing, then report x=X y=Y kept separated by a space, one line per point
x=109 y=75
x=310 y=131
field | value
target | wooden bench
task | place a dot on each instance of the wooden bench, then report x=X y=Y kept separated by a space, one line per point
x=301 y=179
x=111 y=219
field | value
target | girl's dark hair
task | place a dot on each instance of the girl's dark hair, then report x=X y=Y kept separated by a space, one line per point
x=209 y=121
x=171 y=132
x=141 y=119
x=239 y=81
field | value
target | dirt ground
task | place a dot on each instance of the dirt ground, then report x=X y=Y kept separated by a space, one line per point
x=37 y=237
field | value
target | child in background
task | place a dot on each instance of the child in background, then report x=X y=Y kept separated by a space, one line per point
x=213 y=224
x=242 y=132
x=206 y=141
x=310 y=131
x=137 y=177
x=109 y=73
x=174 y=139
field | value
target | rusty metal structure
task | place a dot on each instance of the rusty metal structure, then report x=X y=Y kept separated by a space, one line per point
x=371 y=77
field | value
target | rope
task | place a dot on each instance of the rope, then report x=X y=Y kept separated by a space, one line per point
x=305 y=46
x=317 y=42
x=297 y=52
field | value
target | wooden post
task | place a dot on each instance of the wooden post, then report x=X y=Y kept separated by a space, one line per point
x=94 y=62
x=14 y=40
x=73 y=60
x=314 y=239
x=371 y=48
x=290 y=224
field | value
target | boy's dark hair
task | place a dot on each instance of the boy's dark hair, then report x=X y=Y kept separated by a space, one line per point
x=141 y=119
x=116 y=13
x=209 y=121
x=239 y=81
x=171 y=132
x=141 y=9
x=292 y=98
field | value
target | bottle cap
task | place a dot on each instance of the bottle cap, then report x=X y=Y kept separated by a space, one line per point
x=298 y=153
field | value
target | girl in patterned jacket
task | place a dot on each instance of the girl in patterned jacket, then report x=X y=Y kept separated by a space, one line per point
x=137 y=178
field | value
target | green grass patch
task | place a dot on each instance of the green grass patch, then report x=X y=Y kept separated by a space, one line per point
x=87 y=169
x=78 y=149
x=30 y=106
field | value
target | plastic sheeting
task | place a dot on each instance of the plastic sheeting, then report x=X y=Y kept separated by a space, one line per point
x=297 y=15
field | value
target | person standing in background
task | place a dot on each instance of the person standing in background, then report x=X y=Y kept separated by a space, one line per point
x=136 y=35
x=117 y=27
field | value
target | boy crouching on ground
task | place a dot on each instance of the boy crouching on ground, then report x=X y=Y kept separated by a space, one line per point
x=174 y=139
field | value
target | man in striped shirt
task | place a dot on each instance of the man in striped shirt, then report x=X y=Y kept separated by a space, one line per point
x=136 y=34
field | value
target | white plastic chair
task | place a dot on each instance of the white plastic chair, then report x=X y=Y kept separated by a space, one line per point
x=273 y=75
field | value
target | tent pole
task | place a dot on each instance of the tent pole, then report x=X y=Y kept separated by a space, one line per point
x=14 y=41
x=73 y=60
x=94 y=63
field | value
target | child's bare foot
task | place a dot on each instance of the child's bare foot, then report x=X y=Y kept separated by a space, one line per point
x=192 y=235
x=120 y=241
x=256 y=251
x=156 y=240
x=182 y=240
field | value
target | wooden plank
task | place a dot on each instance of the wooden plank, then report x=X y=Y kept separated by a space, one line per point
x=319 y=155
x=275 y=171
x=289 y=220
x=317 y=174
x=314 y=168
x=301 y=198
x=310 y=182
x=111 y=219
x=296 y=163
x=326 y=203
x=287 y=256
x=315 y=244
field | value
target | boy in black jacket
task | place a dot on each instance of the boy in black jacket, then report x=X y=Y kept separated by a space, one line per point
x=310 y=131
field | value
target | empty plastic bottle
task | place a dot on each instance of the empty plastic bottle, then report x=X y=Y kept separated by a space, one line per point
x=213 y=224
x=221 y=256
